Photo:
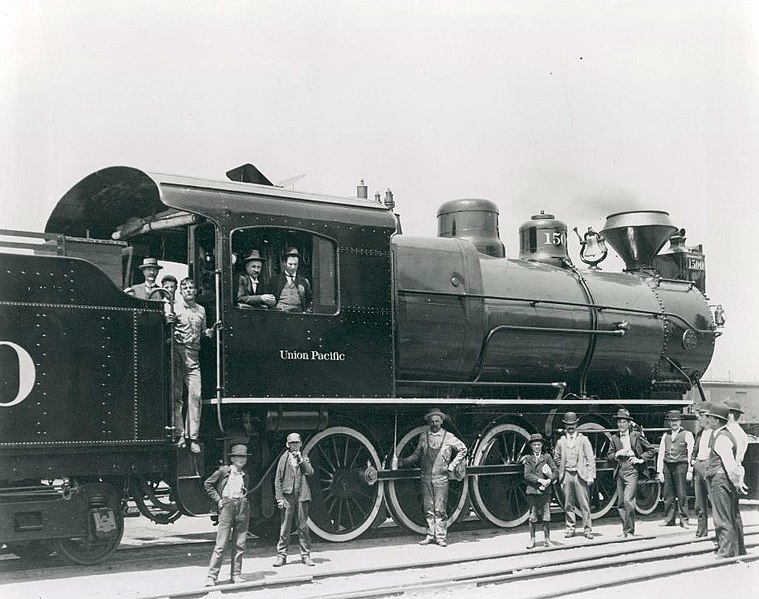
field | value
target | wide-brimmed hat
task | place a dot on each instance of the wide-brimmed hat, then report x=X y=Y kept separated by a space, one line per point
x=435 y=412
x=150 y=263
x=238 y=451
x=291 y=251
x=293 y=438
x=623 y=414
x=535 y=437
x=570 y=418
x=674 y=415
x=254 y=255
x=705 y=407
x=719 y=411
x=733 y=405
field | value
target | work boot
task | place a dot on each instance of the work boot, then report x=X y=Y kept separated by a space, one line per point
x=281 y=561
x=210 y=582
x=569 y=533
x=237 y=579
x=307 y=561
x=531 y=544
x=426 y=541
x=442 y=543
x=547 y=534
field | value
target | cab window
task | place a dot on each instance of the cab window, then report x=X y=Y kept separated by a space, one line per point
x=284 y=271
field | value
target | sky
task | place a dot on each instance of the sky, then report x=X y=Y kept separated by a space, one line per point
x=580 y=109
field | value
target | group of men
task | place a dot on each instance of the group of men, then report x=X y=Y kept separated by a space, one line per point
x=228 y=489
x=712 y=459
x=288 y=292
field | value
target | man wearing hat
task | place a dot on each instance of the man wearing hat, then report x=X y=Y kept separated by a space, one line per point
x=699 y=461
x=673 y=466
x=438 y=452
x=293 y=499
x=149 y=268
x=539 y=472
x=628 y=450
x=291 y=290
x=252 y=292
x=576 y=463
x=227 y=488
x=741 y=441
x=725 y=476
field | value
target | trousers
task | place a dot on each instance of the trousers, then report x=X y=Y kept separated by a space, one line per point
x=540 y=507
x=627 y=487
x=185 y=372
x=675 y=490
x=234 y=516
x=727 y=525
x=577 y=498
x=294 y=509
x=701 y=488
x=435 y=501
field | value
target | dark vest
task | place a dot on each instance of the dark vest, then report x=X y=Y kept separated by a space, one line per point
x=715 y=466
x=677 y=450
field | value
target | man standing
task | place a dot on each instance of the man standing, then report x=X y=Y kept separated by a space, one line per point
x=539 y=472
x=724 y=474
x=628 y=450
x=291 y=290
x=227 y=488
x=741 y=445
x=293 y=497
x=438 y=452
x=189 y=328
x=577 y=470
x=673 y=466
x=149 y=268
x=251 y=291
x=699 y=462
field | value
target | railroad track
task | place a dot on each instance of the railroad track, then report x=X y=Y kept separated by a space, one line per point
x=568 y=568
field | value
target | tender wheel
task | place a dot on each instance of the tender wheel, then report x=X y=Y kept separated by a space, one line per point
x=344 y=504
x=501 y=499
x=648 y=492
x=404 y=497
x=104 y=526
x=603 y=491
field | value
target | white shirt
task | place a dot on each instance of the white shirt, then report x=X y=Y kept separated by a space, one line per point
x=741 y=439
x=625 y=438
x=703 y=445
x=233 y=488
x=723 y=447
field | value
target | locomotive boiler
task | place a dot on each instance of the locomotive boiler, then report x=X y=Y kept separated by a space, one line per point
x=397 y=324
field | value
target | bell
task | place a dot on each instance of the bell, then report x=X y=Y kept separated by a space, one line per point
x=593 y=248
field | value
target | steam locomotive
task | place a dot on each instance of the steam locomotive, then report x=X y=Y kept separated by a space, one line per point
x=398 y=324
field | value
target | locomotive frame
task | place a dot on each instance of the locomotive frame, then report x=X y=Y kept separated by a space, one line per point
x=340 y=375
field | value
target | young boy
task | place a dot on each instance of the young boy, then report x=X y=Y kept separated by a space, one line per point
x=539 y=472
x=227 y=487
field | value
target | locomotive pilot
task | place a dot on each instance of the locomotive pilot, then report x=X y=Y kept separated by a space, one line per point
x=539 y=472
x=628 y=450
x=227 y=488
x=725 y=476
x=149 y=268
x=293 y=497
x=673 y=466
x=576 y=462
x=252 y=292
x=699 y=461
x=439 y=453
x=292 y=290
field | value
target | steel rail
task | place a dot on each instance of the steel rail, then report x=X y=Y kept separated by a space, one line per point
x=567 y=563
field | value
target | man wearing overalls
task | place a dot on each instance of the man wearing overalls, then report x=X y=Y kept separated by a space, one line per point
x=438 y=452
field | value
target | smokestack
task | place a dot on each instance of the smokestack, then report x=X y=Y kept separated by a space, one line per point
x=637 y=236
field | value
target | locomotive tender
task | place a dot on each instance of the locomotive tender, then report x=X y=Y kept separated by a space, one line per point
x=399 y=324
